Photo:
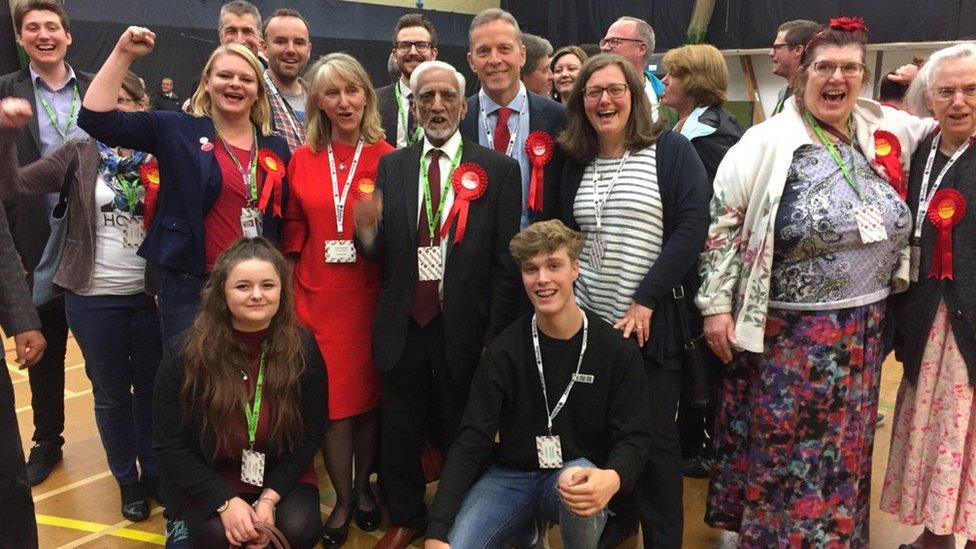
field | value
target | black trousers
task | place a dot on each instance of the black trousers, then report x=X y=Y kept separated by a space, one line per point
x=297 y=515
x=420 y=400
x=18 y=527
x=47 y=378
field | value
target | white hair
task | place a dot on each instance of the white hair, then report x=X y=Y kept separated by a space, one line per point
x=428 y=65
x=915 y=96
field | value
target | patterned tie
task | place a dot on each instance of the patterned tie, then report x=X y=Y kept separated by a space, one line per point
x=426 y=302
x=502 y=135
x=411 y=123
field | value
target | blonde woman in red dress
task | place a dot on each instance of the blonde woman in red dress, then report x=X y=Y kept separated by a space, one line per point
x=335 y=289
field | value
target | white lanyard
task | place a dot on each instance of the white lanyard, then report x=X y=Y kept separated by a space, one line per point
x=340 y=201
x=925 y=194
x=551 y=415
x=598 y=202
x=514 y=135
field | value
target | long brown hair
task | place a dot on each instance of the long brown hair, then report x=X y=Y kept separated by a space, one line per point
x=213 y=356
x=579 y=138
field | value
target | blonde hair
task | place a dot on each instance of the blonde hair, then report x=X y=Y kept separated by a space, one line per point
x=702 y=72
x=325 y=70
x=201 y=105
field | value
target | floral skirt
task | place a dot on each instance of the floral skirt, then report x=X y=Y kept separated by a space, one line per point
x=931 y=476
x=795 y=431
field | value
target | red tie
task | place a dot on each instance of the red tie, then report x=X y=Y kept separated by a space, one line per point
x=502 y=135
x=426 y=300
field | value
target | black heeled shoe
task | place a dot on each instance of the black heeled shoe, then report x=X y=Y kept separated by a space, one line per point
x=333 y=538
x=369 y=521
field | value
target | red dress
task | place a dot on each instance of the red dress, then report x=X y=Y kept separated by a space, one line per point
x=334 y=300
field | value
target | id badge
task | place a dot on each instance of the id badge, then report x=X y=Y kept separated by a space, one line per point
x=430 y=264
x=251 y=222
x=915 y=259
x=550 y=452
x=133 y=234
x=599 y=248
x=340 y=251
x=870 y=223
x=252 y=467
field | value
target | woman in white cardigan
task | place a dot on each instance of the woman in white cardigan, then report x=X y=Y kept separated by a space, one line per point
x=809 y=235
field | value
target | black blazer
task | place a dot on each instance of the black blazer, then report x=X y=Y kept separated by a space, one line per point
x=388 y=112
x=186 y=463
x=481 y=283
x=28 y=216
x=544 y=115
x=685 y=194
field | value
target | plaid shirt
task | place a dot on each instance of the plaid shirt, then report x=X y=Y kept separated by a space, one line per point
x=285 y=122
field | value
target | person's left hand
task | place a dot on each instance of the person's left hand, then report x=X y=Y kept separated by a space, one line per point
x=265 y=513
x=587 y=490
x=637 y=321
x=30 y=348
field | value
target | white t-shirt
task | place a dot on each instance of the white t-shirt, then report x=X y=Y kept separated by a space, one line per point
x=117 y=269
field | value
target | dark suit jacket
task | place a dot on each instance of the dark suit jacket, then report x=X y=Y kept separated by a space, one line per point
x=544 y=115
x=191 y=179
x=28 y=215
x=481 y=282
x=388 y=112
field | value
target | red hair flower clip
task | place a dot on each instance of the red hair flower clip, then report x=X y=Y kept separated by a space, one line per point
x=848 y=24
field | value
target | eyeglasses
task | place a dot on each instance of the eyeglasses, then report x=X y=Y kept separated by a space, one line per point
x=947 y=94
x=849 y=70
x=615 y=41
x=775 y=47
x=594 y=93
x=403 y=46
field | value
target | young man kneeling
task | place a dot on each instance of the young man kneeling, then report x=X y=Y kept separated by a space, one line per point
x=567 y=397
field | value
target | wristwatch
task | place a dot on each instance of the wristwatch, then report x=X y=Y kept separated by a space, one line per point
x=223 y=507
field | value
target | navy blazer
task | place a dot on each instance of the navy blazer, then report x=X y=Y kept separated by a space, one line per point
x=191 y=179
x=544 y=115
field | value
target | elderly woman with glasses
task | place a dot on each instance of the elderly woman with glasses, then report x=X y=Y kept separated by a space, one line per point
x=931 y=478
x=807 y=240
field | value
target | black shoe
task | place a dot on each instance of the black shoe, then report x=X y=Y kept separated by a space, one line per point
x=43 y=457
x=696 y=467
x=150 y=486
x=134 y=504
x=368 y=521
x=333 y=538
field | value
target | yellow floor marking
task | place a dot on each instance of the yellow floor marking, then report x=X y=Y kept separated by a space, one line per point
x=72 y=486
x=68 y=395
x=117 y=530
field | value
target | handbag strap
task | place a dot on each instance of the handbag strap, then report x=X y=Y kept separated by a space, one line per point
x=278 y=540
x=68 y=181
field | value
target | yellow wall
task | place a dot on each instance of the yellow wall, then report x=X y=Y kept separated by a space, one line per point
x=458 y=6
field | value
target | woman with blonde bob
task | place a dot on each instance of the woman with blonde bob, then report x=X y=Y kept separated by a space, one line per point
x=222 y=170
x=335 y=289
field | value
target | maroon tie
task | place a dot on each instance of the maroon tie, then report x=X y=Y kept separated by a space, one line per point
x=501 y=136
x=426 y=301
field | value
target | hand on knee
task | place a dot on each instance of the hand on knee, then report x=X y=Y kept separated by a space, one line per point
x=586 y=490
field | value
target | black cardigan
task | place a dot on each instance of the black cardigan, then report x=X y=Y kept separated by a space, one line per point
x=685 y=194
x=915 y=309
x=186 y=461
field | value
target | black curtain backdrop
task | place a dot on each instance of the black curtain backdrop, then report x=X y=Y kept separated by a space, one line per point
x=8 y=48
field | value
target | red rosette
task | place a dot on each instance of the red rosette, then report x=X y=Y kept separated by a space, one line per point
x=149 y=177
x=848 y=24
x=945 y=212
x=364 y=186
x=274 y=172
x=887 y=152
x=469 y=181
x=539 y=147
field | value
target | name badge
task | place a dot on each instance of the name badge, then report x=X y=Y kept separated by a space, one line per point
x=870 y=223
x=597 y=250
x=251 y=222
x=550 y=452
x=583 y=378
x=340 y=251
x=133 y=234
x=430 y=263
x=252 y=467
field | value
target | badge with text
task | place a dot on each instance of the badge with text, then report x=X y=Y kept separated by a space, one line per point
x=870 y=223
x=539 y=147
x=133 y=234
x=340 y=251
x=597 y=250
x=251 y=222
x=887 y=153
x=430 y=264
x=550 y=452
x=252 y=467
x=945 y=212
x=206 y=145
x=469 y=182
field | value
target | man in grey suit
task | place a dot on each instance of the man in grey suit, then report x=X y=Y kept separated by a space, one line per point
x=414 y=41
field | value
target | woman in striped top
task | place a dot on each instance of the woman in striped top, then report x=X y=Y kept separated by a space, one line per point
x=640 y=196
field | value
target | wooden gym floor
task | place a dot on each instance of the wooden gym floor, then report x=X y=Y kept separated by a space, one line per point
x=78 y=505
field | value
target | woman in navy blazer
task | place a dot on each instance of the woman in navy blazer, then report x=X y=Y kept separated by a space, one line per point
x=226 y=136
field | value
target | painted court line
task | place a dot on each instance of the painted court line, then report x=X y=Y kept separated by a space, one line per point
x=24 y=377
x=99 y=530
x=68 y=395
x=72 y=486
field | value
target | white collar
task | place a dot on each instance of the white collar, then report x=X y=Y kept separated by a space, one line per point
x=450 y=148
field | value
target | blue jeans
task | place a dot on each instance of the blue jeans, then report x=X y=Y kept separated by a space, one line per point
x=504 y=502
x=119 y=338
x=179 y=300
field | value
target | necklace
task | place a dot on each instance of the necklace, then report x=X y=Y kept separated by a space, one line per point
x=342 y=161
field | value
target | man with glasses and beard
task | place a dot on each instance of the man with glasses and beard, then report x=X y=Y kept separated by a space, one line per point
x=414 y=41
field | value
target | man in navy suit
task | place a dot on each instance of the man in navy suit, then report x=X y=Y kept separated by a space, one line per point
x=449 y=284
x=503 y=114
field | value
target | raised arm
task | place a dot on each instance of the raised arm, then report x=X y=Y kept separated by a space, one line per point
x=103 y=91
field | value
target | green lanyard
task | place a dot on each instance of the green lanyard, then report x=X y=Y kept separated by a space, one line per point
x=432 y=221
x=849 y=174
x=254 y=412
x=402 y=113
x=130 y=191
x=250 y=176
x=53 y=116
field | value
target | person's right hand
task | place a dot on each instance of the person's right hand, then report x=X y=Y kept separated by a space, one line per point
x=238 y=520
x=367 y=212
x=720 y=335
x=436 y=544
x=136 y=42
x=30 y=347
x=14 y=112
